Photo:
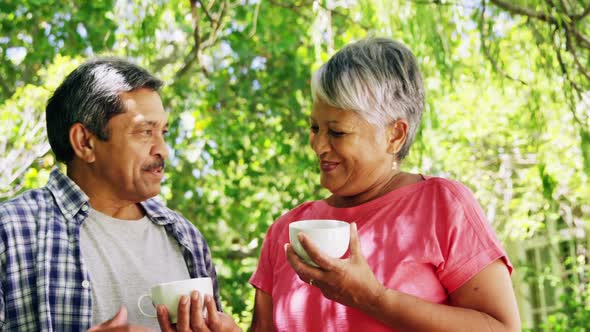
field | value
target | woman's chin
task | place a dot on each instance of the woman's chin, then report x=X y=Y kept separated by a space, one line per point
x=330 y=186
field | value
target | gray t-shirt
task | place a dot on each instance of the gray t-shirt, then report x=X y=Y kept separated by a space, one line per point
x=125 y=258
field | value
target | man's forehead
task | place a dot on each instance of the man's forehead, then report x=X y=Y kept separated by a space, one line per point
x=133 y=118
x=152 y=119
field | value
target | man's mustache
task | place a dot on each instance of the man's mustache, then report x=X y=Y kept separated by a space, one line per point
x=155 y=165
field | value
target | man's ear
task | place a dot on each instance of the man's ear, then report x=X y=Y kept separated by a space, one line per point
x=82 y=141
x=397 y=133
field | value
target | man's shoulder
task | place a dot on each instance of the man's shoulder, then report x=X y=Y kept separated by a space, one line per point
x=21 y=215
x=27 y=204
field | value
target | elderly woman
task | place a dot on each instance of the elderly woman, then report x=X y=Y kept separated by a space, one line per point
x=422 y=257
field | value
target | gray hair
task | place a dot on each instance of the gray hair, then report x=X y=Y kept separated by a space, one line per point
x=377 y=78
x=90 y=95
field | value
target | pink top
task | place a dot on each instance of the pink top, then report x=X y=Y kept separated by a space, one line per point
x=425 y=239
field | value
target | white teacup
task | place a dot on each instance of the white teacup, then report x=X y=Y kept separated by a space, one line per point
x=330 y=236
x=169 y=294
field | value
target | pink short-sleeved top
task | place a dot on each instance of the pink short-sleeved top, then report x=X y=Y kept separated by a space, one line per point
x=425 y=239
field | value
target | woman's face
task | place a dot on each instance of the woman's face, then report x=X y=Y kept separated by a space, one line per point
x=354 y=155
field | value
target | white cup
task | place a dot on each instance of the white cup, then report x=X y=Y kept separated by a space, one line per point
x=330 y=236
x=169 y=294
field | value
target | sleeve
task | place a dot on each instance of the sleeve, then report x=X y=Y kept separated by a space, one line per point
x=212 y=272
x=468 y=242
x=263 y=276
x=3 y=273
x=198 y=255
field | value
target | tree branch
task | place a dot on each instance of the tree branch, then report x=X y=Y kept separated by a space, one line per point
x=297 y=10
x=194 y=53
x=205 y=9
x=524 y=11
x=571 y=82
x=216 y=25
x=486 y=50
x=573 y=50
x=188 y=63
x=196 y=21
x=580 y=37
x=255 y=20
x=6 y=91
x=570 y=26
x=580 y=16
x=440 y=3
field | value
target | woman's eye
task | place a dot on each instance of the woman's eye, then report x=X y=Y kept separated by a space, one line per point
x=164 y=132
x=148 y=132
x=334 y=133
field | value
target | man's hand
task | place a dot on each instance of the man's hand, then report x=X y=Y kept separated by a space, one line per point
x=118 y=324
x=190 y=316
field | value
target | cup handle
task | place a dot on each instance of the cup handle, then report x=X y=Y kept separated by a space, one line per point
x=139 y=306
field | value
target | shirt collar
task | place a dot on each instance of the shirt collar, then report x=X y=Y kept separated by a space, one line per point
x=157 y=211
x=68 y=196
x=71 y=199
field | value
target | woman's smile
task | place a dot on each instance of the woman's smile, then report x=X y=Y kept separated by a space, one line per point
x=327 y=166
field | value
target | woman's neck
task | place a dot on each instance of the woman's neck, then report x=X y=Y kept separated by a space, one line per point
x=395 y=181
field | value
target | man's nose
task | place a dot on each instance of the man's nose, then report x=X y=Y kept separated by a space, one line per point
x=160 y=147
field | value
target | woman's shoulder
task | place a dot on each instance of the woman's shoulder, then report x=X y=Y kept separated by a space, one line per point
x=448 y=187
x=452 y=193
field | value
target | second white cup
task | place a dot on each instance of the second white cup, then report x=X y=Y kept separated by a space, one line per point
x=169 y=294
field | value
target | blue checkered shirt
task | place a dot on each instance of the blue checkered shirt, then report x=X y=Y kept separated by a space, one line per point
x=44 y=281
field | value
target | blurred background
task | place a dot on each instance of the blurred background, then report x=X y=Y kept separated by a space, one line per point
x=508 y=114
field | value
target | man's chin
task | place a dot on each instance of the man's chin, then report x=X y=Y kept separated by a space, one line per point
x=150 y=192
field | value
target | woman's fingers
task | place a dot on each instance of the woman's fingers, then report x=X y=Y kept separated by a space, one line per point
x=326 y=263
x=304 y=271
x=355 y=243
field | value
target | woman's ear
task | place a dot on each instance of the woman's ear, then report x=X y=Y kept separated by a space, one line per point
x=397 y=133
x=82 y=141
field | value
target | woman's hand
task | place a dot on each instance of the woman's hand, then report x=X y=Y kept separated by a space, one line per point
x=190 y=316
x=348 y=281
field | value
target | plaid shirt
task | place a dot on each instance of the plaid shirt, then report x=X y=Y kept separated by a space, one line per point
x=45 y=285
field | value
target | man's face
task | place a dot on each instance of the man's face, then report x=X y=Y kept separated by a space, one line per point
x=130 y=163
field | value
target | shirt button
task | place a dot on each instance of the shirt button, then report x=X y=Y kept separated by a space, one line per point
x=86 y=284
x=85 y=208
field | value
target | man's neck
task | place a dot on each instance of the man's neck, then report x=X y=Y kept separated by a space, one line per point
x=102 y=199
x=131 y=211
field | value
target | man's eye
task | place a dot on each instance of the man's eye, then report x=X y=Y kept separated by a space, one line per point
x=314 y=129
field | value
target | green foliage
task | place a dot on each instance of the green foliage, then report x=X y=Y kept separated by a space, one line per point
x=574 y=315
x=507 y=105
x=39 y=30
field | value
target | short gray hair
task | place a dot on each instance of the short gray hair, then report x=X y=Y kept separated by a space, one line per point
x=379 y=79
x=90 y=95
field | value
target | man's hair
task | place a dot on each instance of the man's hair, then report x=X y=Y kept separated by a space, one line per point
x=90 y=95
x=377 y=78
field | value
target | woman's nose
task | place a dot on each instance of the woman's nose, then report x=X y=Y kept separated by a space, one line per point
x=320 y=143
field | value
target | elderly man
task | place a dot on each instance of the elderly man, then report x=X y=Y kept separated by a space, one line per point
x=80 y=251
